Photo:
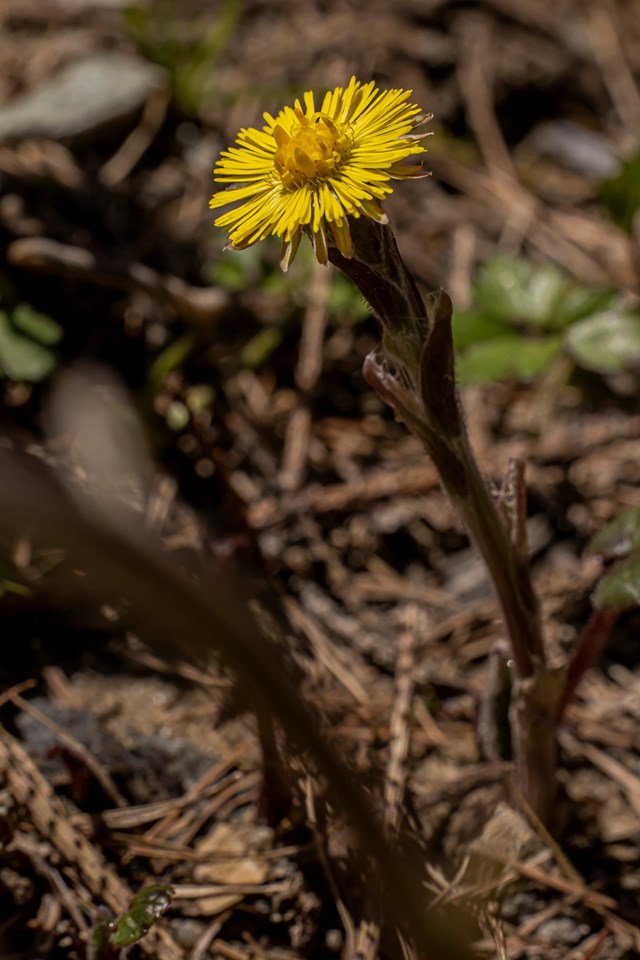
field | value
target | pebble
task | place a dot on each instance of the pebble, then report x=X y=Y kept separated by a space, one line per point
x=565 y=930
x=577 y=148
x=84 y=98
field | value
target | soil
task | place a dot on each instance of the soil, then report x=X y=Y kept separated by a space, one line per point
x=267 y=470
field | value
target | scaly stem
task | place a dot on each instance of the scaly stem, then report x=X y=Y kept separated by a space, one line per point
x=536 y=688
x=414 y=373
x=474 y=503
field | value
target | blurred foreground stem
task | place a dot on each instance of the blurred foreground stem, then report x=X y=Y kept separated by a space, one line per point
x=413 y=371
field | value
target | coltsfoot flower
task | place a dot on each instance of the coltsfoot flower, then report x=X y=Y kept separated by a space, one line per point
x=312 y=169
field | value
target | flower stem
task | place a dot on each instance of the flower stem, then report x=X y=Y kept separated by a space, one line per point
x=414 y=372
x=474 y=503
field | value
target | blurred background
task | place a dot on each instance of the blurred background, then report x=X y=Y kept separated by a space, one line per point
x=247 y=383
x=114 y=114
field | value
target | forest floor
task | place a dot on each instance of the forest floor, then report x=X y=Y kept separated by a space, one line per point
x=276 y=463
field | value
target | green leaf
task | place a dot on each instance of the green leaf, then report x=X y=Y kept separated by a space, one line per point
x=606 y=343
x=258 y=350
x=543 y=295
x=578 y=301
x=20 y=357
x=172 y=358
x=516 y=291
x=620 y=588
x=14 y=588
x=210 y=46
x=500 y=291
x=618 y=538
x=99 y=946
x=505 y=357
x=621 y=194
x=36 y=325
x=146 y=908
x=471 y=327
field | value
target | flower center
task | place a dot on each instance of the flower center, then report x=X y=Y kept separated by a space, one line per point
x=314 y=150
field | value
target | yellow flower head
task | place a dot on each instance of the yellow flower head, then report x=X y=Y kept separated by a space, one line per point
x=311 y=168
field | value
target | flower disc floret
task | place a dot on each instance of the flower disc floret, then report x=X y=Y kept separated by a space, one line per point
x=310 y=169
x=315 y=150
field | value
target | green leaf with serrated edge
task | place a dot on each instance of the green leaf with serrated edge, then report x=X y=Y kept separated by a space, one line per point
x=36 y=325
x=20 y=357
x=618 y=538
x=620 y=587
x=606 y=343
x=146 y=908
x=506 y=357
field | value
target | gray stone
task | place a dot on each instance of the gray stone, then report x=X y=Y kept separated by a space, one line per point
x=576 y=148
x=86 y=97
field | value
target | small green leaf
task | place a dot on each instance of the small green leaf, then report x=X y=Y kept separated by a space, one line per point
x=471 y=327
x=543 y=294
x=146 y=908
x=620 y=588
x=507 y=356
x=500 y=290
x=606 y=343
x=578 y=302
x=258 y=350
x=618 y=538
x=99 y=946
x=36 y=325
x=621 y=194
x=14 y=588
x=516 y=291
x=171 y=358
x=20 y=357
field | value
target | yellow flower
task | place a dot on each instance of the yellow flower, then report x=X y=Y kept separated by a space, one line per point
x=308 y=168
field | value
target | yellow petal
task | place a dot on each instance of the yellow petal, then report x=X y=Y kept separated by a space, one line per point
x=289 y=250
x=342 y=236
x=309 y=169
x=319 y=240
